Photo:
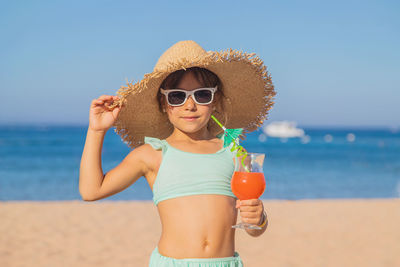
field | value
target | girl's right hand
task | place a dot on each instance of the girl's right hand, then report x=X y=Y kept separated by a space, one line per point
x=101 y=117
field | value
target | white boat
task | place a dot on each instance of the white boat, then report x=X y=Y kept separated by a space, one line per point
x=283 y=129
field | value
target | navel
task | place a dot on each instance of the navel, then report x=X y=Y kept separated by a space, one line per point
x=206 y=243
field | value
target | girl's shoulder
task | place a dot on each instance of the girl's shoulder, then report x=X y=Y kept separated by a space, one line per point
x=153 y=149
x=148 y=155
x=155 y=143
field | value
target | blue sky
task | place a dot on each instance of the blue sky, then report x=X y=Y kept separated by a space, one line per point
x=333 y=63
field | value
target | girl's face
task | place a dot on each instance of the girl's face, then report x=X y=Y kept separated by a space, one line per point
x=190 y=117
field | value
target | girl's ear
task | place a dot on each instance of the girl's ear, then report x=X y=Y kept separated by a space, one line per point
x=216 y=102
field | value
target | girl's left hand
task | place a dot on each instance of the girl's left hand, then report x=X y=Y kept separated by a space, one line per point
x=251 y=210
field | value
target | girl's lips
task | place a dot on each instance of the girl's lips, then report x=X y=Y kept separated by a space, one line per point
x=189 y=118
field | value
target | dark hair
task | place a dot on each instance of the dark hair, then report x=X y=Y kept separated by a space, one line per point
x=204 y=76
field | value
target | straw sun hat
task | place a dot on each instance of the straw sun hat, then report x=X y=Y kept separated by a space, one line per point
x=247 y=87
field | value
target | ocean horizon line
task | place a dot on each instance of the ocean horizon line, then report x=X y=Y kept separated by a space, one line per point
x=308 y=127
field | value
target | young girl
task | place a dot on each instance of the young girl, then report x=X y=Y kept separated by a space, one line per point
x=180 y=150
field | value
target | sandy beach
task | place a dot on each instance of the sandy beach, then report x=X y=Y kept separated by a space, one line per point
x=363 y=232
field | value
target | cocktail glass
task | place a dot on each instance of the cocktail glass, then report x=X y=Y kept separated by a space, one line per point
x=250 y=183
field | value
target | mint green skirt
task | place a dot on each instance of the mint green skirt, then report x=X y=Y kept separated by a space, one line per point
x=158 y=260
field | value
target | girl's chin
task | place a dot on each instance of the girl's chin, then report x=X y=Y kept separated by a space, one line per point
x=190 y=128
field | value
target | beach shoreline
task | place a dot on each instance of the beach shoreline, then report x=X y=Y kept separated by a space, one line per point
x=309 y=232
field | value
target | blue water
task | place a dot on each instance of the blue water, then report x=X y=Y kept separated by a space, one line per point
x=42 y=163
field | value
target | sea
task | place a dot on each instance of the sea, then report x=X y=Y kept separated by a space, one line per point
x=41 y=163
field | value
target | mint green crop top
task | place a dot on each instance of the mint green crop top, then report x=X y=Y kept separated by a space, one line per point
x=184 y=173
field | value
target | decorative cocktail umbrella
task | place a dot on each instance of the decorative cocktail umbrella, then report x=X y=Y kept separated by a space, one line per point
x=231 y=135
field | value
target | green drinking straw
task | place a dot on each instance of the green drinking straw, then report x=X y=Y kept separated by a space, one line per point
x=236 y=145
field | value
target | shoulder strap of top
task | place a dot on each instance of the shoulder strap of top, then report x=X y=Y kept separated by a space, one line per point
x=156 y=143
x=221 y=136
x=235 y=134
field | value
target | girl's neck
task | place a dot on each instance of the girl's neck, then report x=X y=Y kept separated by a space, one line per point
x=200 y=135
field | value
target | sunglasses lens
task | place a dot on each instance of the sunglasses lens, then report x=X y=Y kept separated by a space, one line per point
x=203 y=96
x=176 y=98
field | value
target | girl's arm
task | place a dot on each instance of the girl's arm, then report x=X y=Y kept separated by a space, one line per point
x=90 y=172
x=93 y=184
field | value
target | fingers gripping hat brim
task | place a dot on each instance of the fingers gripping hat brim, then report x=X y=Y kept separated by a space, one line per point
x=247 y=87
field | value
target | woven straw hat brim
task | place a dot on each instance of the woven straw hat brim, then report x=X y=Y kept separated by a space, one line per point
x=246 y=83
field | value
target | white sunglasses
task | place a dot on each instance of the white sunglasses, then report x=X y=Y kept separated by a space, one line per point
x=178 y=97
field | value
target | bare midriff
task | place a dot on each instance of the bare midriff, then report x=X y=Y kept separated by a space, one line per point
x=198 y=226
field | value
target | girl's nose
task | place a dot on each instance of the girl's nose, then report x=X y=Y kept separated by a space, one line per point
x=190 y=104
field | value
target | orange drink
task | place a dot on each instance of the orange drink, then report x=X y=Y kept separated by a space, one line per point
x=248 y=185
x=248 y=181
